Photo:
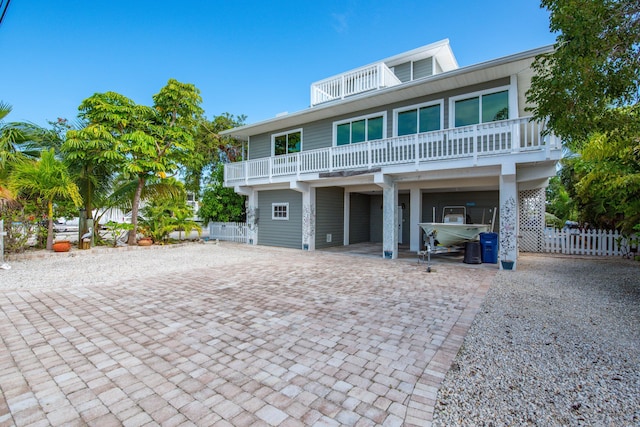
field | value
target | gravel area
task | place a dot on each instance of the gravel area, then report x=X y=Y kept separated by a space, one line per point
x=106 y=265
x=556 y=343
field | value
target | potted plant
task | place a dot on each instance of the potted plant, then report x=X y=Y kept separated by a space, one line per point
x=507 y=233
x=145 y=241
x=61 y=246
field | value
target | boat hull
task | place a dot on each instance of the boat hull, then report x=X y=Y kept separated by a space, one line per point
x=448 y=234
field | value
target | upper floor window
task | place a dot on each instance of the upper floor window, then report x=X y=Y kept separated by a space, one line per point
x=359 y=129
x=418 y=119
x=483 y=108
x=287 y=142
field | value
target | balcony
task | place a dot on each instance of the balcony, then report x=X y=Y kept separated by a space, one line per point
x=504 y=137
x=361 y=80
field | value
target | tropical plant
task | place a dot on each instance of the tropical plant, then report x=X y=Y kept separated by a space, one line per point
x=117 y=230
x=593 y=70
x=18 y=227
x=182 y=219
x=220 y=203
x=148 y=142
x=47 y=179
x=211 y=149
x=92 y=157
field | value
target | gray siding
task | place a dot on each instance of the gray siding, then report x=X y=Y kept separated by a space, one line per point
x=359 y=218
x=319 y=134
x=403 y=71
x=284 y=233
x=329 y=216
x=375 y=214
x=259 y=146
x=422 y=68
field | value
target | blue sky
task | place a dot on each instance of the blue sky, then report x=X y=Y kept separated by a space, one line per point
x=256 y=58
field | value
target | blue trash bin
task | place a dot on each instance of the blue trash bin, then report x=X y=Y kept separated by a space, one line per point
x=489 y=247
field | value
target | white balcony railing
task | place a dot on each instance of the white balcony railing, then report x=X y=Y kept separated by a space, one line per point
x=353 y=82
x=503 y=137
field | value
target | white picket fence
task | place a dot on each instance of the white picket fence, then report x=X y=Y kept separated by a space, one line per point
x=229 y=231
x=589 y=242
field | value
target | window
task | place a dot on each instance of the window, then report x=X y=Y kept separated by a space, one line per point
x=287 y=143
x=359 y=129
x=418 y=119
x=280 y=211
x=483 y=108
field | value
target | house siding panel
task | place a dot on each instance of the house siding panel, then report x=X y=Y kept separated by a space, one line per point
x=319 y=134
x=283 y=233
x=359 y=216
x=375 y=214
x=422 y=68
x=403 y=71
x=329 y=216
x=260 y=146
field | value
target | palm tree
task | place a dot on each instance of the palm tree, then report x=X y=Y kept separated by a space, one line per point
x=47 y=178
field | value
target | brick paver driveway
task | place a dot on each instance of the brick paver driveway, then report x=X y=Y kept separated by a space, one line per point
x=292 y=339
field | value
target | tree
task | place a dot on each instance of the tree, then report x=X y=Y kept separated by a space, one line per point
x=594 y=69
x=608 y=189
x=220 y=203
x=91 y=154
x=48 y=179
x=212 y=148
x=149 y=141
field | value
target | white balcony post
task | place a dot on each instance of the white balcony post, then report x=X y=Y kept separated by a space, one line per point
x=508 y=238
x=515 y=135
x=416 y=148
x=389 y=221
x=389 y=215
x=415 y=214
x=369 y=155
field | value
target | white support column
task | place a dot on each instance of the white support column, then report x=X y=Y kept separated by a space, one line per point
x=308 y=214
x=253 y=214
x=347 y=214
x=389 y=215
x=415 y=216
x=508 y=239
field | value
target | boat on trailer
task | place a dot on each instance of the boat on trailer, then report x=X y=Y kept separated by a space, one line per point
x=451 y=234
x=446 y=234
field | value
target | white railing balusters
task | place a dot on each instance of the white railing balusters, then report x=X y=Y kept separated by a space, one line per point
x=507 y=136
x=353 y=82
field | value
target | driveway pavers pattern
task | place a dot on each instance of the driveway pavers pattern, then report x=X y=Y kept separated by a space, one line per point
x=296 y=339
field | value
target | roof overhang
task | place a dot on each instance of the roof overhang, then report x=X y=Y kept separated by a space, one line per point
x=461 y=77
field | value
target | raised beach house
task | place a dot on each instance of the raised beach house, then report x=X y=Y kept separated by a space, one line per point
x=387 y=146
